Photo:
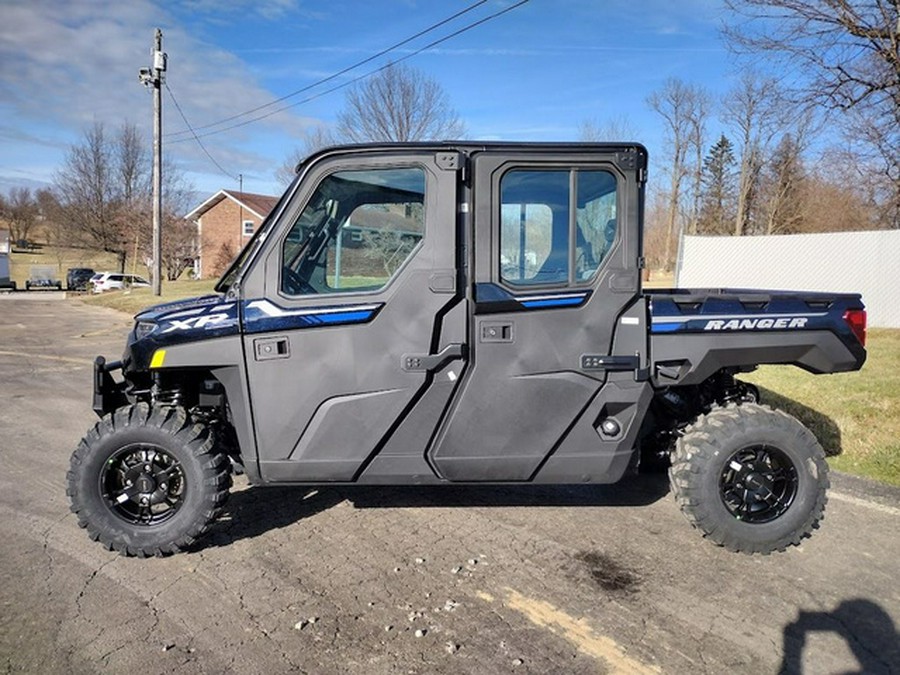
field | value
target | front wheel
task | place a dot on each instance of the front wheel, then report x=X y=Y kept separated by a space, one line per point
x=147 y=481
x=750 y=478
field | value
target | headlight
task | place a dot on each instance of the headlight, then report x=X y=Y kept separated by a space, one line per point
x=143 y=328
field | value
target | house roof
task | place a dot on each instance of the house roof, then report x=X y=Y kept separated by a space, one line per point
x=258 y=205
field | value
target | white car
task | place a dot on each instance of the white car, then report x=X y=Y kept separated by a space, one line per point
x=111 y=281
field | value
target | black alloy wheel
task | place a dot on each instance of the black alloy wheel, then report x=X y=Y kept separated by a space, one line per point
x=758 y=484
x=143 y=484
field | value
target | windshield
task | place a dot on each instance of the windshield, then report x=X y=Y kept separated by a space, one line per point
x=227 y=279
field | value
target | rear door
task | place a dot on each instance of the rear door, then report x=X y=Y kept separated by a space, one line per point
x=555 y=265
x=354 y=347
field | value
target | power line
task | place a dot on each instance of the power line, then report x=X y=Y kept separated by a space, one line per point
x=196 y=138
x=361 y=77
x=431 y=28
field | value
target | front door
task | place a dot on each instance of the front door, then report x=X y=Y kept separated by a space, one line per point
x=362 y=310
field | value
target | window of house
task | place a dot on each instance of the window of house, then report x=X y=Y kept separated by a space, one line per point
x=556 y=226
x=248 y=228
x=356 y=231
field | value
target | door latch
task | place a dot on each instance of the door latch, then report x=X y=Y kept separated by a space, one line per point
x=416 y=363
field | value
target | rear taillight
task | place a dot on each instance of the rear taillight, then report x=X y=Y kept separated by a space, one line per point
x=856 y=319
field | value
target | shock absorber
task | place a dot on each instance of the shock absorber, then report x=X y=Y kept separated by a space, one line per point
x=164 y=393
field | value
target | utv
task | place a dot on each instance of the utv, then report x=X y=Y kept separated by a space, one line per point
x=458 y=313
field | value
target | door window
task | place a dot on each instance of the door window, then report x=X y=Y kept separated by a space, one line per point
x=356 y=232
x=556 y=226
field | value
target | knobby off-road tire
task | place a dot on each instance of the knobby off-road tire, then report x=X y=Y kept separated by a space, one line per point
x=750 y=478
x=147 y=481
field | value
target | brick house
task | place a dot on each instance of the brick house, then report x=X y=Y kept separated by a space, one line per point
x=225 y=223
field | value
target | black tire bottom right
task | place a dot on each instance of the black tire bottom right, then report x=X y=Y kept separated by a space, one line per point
x=757 y=505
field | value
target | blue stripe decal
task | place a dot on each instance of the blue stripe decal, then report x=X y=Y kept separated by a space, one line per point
x=264 y=316
x=344 y=317
x=553 y=302
x=665 y=327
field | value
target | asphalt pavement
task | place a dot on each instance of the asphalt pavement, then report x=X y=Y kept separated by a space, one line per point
x=588 y=579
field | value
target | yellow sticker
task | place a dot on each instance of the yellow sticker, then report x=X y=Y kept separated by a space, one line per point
x=158 y=357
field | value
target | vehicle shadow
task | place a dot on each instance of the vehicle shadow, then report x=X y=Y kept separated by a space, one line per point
x=254 y=511
x=867 y=629
x=632 y=491
x=823 y=427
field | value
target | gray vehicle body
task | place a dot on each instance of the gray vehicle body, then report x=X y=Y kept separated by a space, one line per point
x=449 y=372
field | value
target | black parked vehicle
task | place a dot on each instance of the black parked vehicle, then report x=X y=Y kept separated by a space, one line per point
x=77 y=278
x=43 y=282
x=487 y=324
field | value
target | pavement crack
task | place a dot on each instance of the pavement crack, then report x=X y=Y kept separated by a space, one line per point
x=90 y=580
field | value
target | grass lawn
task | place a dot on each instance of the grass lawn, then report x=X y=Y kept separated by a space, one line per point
x=856 y=416
x=48 y=261
x=136 y=299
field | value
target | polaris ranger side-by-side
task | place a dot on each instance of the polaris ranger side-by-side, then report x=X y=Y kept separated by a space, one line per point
x=458 y=313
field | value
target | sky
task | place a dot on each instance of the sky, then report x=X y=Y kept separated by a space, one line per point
x=535 y=73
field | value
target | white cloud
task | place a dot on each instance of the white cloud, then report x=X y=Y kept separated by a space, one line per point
x=65 y=65
x=270 y=10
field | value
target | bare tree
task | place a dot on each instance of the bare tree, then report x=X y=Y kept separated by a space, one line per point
x=224 y=257
x=655 y=214
x=697 y=140
x=848 y=52
x=831 y=204
x=57 y=232
x=876 y=146
x=103 y=189
x=617 y=128
x=754 y=108
x=683 y=108
x=314 y=139
x=783 y=182
x=399 y=103
x=179 y=245
x=21 y=212
x=132 y=160
x=89 y=197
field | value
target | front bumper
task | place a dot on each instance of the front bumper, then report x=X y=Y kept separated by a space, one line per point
x=109 y=395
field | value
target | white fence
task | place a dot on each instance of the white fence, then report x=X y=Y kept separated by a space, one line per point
x=854 y=262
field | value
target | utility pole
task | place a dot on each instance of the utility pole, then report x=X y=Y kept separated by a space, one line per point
x=240 y=241
x=153 y=77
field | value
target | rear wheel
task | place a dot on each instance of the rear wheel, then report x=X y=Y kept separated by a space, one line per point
x=750 y=478
x=147 y=481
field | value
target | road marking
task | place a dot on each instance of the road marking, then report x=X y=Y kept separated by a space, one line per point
x=46 y=357
x=875 y=506
x=576 y=631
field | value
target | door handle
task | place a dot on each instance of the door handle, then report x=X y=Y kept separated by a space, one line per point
x=265 y=349
x=417 y=363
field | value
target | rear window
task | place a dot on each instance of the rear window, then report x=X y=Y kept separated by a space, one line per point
x=556 y=226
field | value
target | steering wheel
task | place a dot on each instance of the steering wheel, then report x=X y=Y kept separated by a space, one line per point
x=293 y=283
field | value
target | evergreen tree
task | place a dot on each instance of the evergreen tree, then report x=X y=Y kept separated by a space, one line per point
x=783 y=181
x=718 y=188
